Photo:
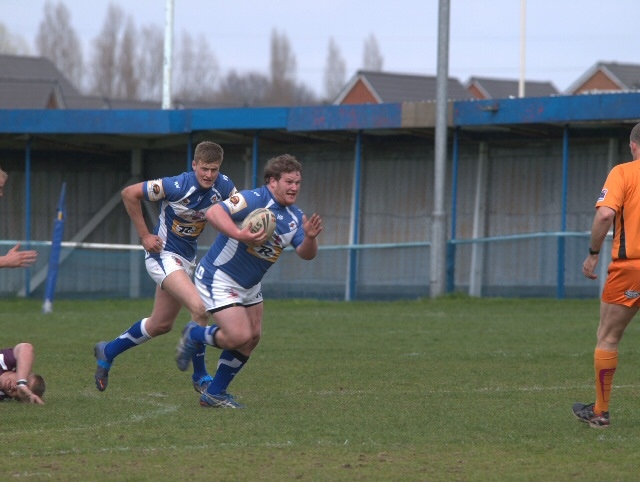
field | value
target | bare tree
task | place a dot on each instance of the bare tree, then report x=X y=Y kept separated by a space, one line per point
x=248 y=90
x=149 y=63
x=115 y=70
x=58 y=41
x=11 y=43
x=197 y=69
x=283 y=70
x=372 y=59
x=302 y=95
x=127 y=80
x=335 y=71
x=103 y=66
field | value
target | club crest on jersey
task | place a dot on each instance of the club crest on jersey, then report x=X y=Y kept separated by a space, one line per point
x=603 y=194
x=631 y=294
x=185 y=202
x=154 y=190
x=234 y=200
x=215 y=197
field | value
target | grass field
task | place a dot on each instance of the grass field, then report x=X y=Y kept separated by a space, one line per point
x=454 y=389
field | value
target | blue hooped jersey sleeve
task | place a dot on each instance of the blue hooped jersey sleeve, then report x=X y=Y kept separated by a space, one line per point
x=248 y=264
x=183 y=209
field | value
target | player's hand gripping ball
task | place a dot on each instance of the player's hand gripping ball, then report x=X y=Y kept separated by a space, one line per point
x=259 y=218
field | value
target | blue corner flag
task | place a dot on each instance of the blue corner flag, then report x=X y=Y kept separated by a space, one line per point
x=54 y=255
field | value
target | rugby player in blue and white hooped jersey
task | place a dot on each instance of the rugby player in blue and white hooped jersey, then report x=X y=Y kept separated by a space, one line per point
x=170 y=253
x=229 y=276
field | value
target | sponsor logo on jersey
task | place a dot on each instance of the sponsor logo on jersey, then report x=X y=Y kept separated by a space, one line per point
x=631 y=294
x=603 y=194
x=197 y=215
x=184 y=229
x=185 y=202
x=176 y=184
x=234 y=200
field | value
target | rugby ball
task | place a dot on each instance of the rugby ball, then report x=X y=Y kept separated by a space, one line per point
x=259 y=218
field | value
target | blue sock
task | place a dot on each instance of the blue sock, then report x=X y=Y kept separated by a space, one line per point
x=204 y=334
x=199 y=366
x=229 y=364
x=136 y=335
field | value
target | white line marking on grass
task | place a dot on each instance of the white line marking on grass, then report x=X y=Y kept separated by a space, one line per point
x=160 y=409
x=18 y=475
x=536 y=388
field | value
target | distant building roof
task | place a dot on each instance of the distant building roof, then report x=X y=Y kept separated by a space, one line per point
x=387 y=87
x=30 y=94
x=36 y=83
x=33 y=83
x=95 y=102
x=608 y=76
x=488 y=88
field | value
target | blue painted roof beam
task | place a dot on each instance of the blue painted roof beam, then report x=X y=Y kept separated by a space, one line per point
x=543 y=110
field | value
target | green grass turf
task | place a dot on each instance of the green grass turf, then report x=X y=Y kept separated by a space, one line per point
x=453 y=389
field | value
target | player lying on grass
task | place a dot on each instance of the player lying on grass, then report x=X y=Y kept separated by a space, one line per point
x=16 y=380
x=229 y=276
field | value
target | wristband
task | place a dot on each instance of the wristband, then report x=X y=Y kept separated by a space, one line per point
x=592 y=252
x=21 y=382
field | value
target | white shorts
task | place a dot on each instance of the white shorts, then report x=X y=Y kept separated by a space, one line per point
x=221 y=291
x=167 y=263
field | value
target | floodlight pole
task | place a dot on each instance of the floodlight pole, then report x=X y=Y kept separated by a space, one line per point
x=438 y=265
x=523 y=24
x=168 y=54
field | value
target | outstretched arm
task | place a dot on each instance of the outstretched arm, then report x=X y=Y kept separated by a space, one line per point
x=18 y=259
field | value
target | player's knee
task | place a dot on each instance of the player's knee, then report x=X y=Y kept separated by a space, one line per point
x=156 y=328
x=239 y=339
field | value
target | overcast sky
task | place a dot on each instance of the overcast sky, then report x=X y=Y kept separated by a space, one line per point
x=564 y=38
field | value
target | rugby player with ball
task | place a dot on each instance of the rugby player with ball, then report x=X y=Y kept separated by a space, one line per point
x=229 y=276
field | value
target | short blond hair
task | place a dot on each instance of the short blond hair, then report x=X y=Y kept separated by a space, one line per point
x=208 y=152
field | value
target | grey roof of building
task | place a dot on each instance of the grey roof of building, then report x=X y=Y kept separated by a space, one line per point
x=625 y=76
x=505 y=88
x=29 y=94
x=34 y=69
x=32 y=82
x=392 y=87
